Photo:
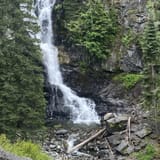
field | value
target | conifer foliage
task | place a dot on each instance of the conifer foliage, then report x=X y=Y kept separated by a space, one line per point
x=22 y=101
x=151 y=53
x=95 y=30
x=152 y=66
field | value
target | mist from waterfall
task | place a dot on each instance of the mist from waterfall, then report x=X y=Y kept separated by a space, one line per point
x=83 y=109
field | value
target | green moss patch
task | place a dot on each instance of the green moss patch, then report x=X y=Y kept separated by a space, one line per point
x=128 y=80
x=148 y=154
x=23 y=149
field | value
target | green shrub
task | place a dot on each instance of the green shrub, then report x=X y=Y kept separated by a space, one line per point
x=23 y=149
x=22 y=97
x=128 y=38
x=129 y=80
x=147 y=154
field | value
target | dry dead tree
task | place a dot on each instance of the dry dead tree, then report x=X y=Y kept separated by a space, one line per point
x=128 y=130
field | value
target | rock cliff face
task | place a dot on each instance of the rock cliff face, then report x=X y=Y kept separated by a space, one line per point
x=99 y=85
x=132 y=18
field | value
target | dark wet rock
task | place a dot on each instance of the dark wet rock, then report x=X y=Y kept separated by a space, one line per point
x=143 y=144
x=135 y=140
x=121 y=158
x=9 y=156
x=102 y=153
x=56 y=108
x=52 y=146
x=158 y=140
x=115 y=139
x=154 y=136
x=122 y=146
x=112 y=105
x=137 y=148
x=108 y=116
x=132 y=61
x=144 y=132
x=116 y=102
x=118 y=119
x=91 y=147
x=146 y=114
x=119 y=122
x=130 y=150
x=111 y=90
x=135 y=127
x=103 y=145
x=108 y=95
x=111 y=157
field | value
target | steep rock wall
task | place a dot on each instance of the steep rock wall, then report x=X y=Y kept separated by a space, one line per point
x=99 y=84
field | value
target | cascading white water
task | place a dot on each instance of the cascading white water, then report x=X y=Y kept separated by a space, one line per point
x=139 y=5
x=83 y=109
x=139 y=10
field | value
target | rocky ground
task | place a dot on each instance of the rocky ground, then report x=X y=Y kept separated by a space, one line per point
x=9 y=156
x=124 y=135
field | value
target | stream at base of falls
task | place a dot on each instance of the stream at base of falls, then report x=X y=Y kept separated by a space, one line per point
x=63 y=136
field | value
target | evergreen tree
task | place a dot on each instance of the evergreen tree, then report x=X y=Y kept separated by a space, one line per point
x=22 y=103
x=95 y=30
x=151 y=52
x=150 y=46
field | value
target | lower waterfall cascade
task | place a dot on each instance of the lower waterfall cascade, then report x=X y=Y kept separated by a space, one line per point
x=83 y=109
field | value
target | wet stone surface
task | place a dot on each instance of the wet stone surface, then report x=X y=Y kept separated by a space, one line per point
x=116 y=145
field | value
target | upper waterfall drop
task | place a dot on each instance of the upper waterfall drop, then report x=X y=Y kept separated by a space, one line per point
x=83 y=109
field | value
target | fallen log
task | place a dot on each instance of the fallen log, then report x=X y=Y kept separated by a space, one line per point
x=109 y=146
x=86 y=141
x=128 y=130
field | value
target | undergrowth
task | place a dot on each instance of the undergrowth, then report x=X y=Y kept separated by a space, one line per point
x=129 y=80
x=23 y=149
x=148 y=154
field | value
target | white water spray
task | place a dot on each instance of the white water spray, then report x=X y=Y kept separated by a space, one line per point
x=139 y=10
x=139 y=5
x=83 y=109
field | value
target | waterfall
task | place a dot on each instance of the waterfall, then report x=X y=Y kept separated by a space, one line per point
x=83 y=109
x=139 y=6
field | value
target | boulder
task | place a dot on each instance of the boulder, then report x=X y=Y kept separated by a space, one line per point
x=118 y=123
x=135 y=140
x=61 y=132
x=9 y=156
x=102 y=153
x=108 y=116
x=115 y=139
x=143 y=132
x=52 y=146
x=143 y=144
x=130 y=150
x=122 y=146
x=118 y=119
